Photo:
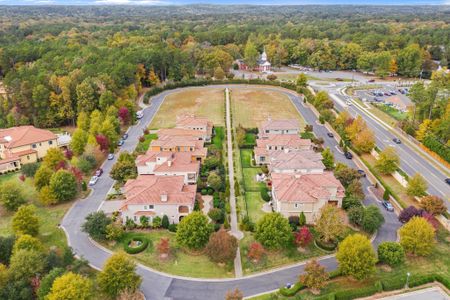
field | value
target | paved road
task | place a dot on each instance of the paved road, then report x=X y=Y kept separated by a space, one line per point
x=156 y=285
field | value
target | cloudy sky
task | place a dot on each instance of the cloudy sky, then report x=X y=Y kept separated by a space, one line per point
x=179 y=2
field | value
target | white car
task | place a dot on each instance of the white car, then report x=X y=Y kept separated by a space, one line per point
x=93 y=180
x=139 y=114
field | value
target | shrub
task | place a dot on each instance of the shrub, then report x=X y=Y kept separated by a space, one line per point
x=417 y=280
x=433 y=204
x=391 y=253
x=247 y=224
x=165 y=222
x=303 y=237
x=134 y=250
x=394 y=283
x=273 y=231
x=25 y=221
x=264 y=191
x=11 y=195
x=221 y=247
x=163 y=247
x=217 y=215
x=372 y=219
x=156 y=222
x=326 y=246
x=408 y=213
x=173 y=227
x=356 y=215
x=29 y=170
x=293 y=290
x=255 y=251
x=302 y=219
x=360 y=292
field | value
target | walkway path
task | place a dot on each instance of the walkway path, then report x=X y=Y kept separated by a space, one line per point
x=160 y=286
x=233 y=215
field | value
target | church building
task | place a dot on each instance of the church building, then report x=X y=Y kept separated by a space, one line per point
x=262 y=64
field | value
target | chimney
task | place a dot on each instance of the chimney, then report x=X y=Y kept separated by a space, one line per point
x=163 y=196
x=286 y=150
x=169 y=163
x=297 y=176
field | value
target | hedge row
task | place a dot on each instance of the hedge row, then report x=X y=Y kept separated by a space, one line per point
x=359 y=293
x=394 y=283
x=434 y=145
x=135 y=250
x=293 y=290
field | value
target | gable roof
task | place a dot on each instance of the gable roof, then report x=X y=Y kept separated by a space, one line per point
x=283 y=140
x=179 y=161
x=306 y=188
x=24 y=135
x=295 y=159
x=282 y=124
x=166 y=132
x=148 y=189
x=185 y=121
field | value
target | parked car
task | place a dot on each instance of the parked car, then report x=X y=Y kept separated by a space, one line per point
x=388 y=205
x=99 y=172
x=139 y=114
x=371 y=80
x=397 y=140
x=330 y=134
x=124 y=136
x=348 y=102
x=378 y=99
x=362 y=173
x=447 y=180
x=93 y=180
x=120 y=142
x=348 y=155
x=111 y=156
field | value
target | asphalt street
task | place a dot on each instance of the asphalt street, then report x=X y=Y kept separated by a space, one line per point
x=157 y=285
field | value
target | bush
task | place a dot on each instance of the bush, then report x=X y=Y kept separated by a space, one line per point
x=391 y=253
x=165 y=222
x=247 y=224
x=194 y=230
x=360 y=292
x=408 y=213
x=221 y=247
x=29 y=169
x=292 y=291
x=372 y=219
x=217 y=215
x=417 y=280
x=157 y=222
x=444 y=280
x=326 y=246
x=134 y=250
x=264 y=191
x=273 y=231
x=95 y=225
x=173 y=227
x=434 y=145
x=394 y=283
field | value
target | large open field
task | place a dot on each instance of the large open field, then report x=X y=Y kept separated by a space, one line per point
x=252 y=106
x=204 y=102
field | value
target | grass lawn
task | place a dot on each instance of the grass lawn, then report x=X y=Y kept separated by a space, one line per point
x=263 y=104
x=179 y=262
x=274 y=259
x=219 y=137
x=250 y=138
x=142 y=147
x=205 y=102
x=438 y=262
x=49 y=217
x=254 y=205
x=388 y=114
x=250 y=179
x=246 y=158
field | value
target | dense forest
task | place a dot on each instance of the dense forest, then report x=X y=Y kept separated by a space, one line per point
x=59 y=61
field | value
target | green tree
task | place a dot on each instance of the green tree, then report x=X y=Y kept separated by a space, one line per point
x=83 y=121
x=52 y=158
x=114 y=231
x=25 y=264
x=302 y=219
x=86 y=96
x=106 y=100
x=221 y=247
x=417 y=186
x=3 y=276
x=328 y=159
x=42 y=177
x=388 y=161
x=302 y=80
x=46 y=196
x=79 y=141
x=63 y=185
x=96 y=224
x=391 y=253
x=11 y=195
x=356 y=256
x=219 y=74
x=410 y=61
x=25 y=221
x=124 y=168
x=28 y=242
x=214 y=181
x=273 y=231
x=71 y=286
x=194 y=230
x=372 y=219
x=315 y=276
x=118 y=275
x=417 y=236
x=165 y=222
x=329 y=225
x=250 y=54
x=47 y=282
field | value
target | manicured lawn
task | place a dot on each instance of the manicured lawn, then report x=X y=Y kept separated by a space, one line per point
x=253 y=106
x=246 y=157
x=254 y=205
x=275 y=259
x=392 y=112
x=143 y=146
x=205 y=102
x=219 y=137
x=250 y=179
x=250 y=139
x=49 y=217
x=179 y=262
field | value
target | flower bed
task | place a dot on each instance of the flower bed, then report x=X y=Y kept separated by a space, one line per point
x=135 y=245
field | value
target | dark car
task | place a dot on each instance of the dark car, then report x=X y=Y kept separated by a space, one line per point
x=397 y=140
x=362 y=173
x=125 y=136
x=447 y=180
x=120 y=142
x=99 y=172
x=388 y=206
x=371 y=80
x=348 y=155
x=330 y=134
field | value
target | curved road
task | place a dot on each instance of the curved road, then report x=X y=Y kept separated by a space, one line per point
x=157 y=285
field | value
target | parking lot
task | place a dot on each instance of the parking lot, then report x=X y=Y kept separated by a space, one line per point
x=390 y=96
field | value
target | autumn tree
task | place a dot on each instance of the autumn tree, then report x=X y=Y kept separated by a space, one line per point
x=417 y=186
x=71 y=286
x=78 y=141
x=26 y=264
x=42 y=177
x=329 y=225
x=214 y=181
x=255 y=251
x=124 y=168
x=193 y=231
x=408 y=213
x=25 y=221
x=11 y=196
x=417 y=237
x=273 y=231
x=118 y=274
x=27 y=242
x=433 y=204
x=315 y=276
x=219 y=74
x=388 y=161
x=221 y=247
x=163 y=247
x=356 y=256
x=302 y=80
x=53 y=157
x=235 y=294
x=303 y=237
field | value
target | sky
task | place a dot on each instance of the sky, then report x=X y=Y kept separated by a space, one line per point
x=255 y=2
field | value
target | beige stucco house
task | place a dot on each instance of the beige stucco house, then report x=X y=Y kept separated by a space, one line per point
x=169 y=164
x=283 y=126
x=295 y=161
x=275 y=142
x=195 y=123
x=307 y=193
x=24 y=144
x=151 y=196
x=180 y=144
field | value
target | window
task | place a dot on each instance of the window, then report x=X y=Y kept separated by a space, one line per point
x=33 y=146
x=297 y=205
x=267 y=131
x=50 y=142
x=134 y=217
x=145 y=207
x=150 y=207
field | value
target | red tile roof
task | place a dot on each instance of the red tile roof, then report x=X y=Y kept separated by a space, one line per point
x=24 y=135
x=284 y=124
x=179 y=161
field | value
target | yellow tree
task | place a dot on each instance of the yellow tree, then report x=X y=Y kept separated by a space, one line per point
x=71 y=286
x=423 y=130
x=153 y=78
x=393 y=67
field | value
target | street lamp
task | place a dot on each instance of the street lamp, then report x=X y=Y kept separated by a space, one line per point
x=407 y=279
